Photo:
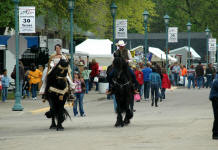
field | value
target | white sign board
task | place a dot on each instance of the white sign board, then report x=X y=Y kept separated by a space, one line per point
x=212 y=44
x=27 y=19
x=173 y=34
x=121 y=29
x=43 y=41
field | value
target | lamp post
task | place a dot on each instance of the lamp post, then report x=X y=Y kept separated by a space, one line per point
x=207 y=34
x=146 y=15
x=166 y=20
x=71 y=7
x=17 y=105
x=189 y=39
x=113 y=8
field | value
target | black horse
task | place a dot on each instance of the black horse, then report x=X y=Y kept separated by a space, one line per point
x=122 y=86
x=57 y=93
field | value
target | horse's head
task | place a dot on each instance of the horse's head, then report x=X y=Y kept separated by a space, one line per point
x=120 y=66
x=62 y=68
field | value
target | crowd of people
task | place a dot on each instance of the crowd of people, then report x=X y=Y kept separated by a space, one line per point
x=151 y=79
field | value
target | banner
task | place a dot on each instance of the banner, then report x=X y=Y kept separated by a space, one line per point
x=173 y=34
x=212 y=44
x=121 y=29
x=27 y=19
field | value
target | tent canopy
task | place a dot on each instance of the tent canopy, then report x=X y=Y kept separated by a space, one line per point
x=194 y=54
x=158 y=54
x=66 y=51
x=95 y=48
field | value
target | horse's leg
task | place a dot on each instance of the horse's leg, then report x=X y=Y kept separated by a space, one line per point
x=51 y=114
x=129 y=113
x=119 y=121
x=60 y=116
x=53 y=124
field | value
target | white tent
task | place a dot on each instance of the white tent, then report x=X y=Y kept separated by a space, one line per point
x=160 y=54
x=183 y=50
x=95 y=48
x=157 y=54
x=182 y=54
x=99 y=49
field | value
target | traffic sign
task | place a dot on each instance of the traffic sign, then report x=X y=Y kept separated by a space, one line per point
x=121 y=29
x=173 y=34
x=212 y=44
x=27 y=19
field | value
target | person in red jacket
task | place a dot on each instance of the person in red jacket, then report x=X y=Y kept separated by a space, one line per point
x=165 y=83
x=139 y=78
x=94 y=74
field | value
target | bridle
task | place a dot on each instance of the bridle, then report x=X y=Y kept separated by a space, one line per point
x=121 y=85
x=59 y=92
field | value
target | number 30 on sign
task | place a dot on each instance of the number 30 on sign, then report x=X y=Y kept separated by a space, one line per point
x=27 y=19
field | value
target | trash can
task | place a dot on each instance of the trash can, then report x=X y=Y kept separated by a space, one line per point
x=103 y=87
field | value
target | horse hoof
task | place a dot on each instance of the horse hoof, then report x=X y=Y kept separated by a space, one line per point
x=126 y=122
x=53 y=127
x=119 y=124
x=60 y=128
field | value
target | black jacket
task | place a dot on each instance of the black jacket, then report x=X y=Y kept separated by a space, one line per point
x=199 y=71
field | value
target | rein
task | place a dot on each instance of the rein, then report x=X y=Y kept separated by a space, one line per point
x=121 y=85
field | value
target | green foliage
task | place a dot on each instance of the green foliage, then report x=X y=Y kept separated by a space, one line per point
x=6 y=13
x=201 y=14
x=95 y=16
x=132 y=10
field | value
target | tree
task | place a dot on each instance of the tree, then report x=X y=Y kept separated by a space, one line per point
x=201 y=14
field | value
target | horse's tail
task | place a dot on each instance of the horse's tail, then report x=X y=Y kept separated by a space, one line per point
x=66 y=114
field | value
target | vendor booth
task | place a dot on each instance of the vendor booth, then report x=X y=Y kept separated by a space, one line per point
x=154 y=55
x=182 y=54
x=98 y=49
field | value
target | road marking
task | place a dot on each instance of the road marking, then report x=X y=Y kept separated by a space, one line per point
x=46 y=109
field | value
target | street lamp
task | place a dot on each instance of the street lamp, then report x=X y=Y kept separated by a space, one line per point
x=71 y=7
x=17 y=105
x=207 y=34
x=146 y=15
x=189 y=39
x=166 y=20
x=113 y=8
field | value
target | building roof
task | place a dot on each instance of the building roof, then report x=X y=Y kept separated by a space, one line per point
x=181 y=35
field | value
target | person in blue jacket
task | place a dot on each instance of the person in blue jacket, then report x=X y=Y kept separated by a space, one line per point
x=214 y=99
x=155 y=80
x=5 y=85
x=146 y=72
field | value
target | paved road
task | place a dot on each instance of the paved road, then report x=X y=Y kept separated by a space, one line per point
x=182 y=122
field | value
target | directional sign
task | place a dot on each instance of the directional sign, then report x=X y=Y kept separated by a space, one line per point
x=121 y=29
x=212 y=44
x=27 y=19
x=173 y=34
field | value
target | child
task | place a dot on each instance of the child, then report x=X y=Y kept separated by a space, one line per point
x=5 y=84
x=165 y=83
x=79 y=94
x=139 y=78
x=214 y=98
x=155 y=80
x=85 y=75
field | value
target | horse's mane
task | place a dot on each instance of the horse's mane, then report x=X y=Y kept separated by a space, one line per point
x=121 y=67
x=53 y=72
x=52 y=76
